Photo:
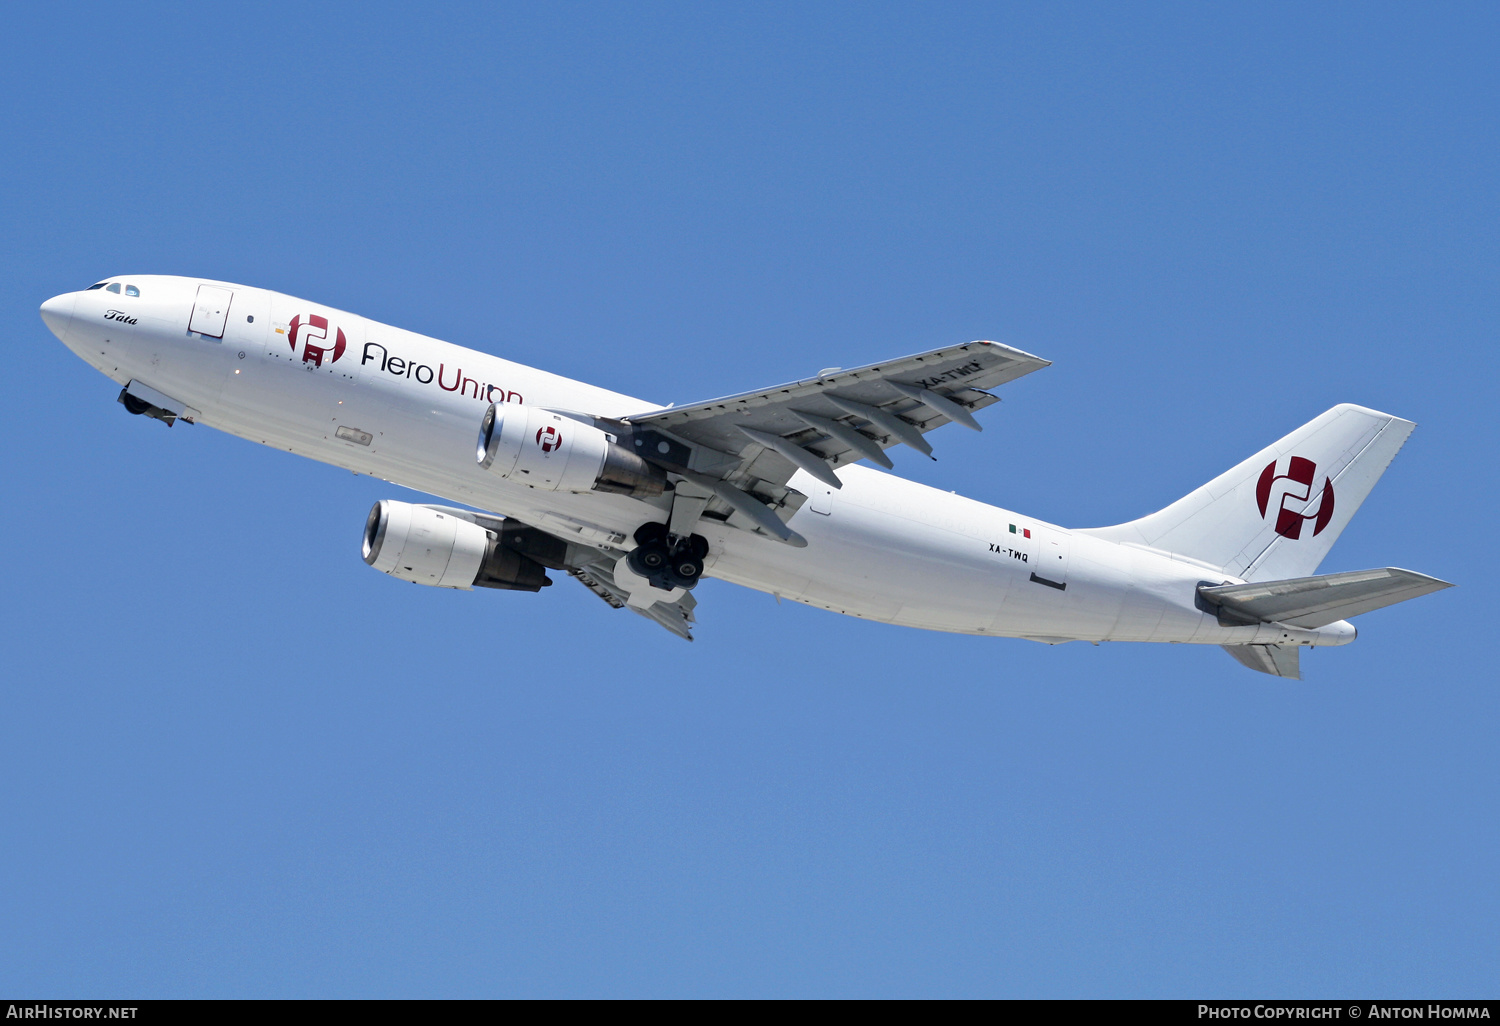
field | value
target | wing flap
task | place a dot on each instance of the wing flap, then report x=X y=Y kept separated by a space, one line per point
x=1277 y=660
x=676 y=617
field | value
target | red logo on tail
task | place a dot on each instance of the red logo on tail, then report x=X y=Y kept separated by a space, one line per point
x=1299 y=477
x=315 y=328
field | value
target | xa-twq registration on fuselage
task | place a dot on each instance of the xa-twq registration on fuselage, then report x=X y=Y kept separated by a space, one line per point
x=764 y=488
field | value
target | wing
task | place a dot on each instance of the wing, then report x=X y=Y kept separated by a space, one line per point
x=735 y=455
x=676 y=617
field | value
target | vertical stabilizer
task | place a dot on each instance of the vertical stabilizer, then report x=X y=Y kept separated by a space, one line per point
x=1277 y=514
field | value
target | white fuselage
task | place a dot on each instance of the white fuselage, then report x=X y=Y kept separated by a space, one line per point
x=881 y=548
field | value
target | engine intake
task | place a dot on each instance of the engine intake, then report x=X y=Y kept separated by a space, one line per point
x=427 y=546
x=533 y=446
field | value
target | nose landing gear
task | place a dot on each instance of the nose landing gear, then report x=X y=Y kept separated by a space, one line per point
x=145 y=401
x=667 y=561
x=141 y=408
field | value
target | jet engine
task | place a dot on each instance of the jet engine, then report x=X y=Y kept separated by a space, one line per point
x=536 y=447
x=428 y=546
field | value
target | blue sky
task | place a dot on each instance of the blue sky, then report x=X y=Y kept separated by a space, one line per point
x=238 y=762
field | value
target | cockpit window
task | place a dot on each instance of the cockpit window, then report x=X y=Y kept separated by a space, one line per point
x=114 y=287
x=131 y=290
x=98 y=286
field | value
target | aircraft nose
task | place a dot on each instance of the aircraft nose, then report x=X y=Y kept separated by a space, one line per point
x=57 y=313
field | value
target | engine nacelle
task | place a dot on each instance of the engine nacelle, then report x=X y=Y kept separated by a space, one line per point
x=536 y=447
x=427 y=546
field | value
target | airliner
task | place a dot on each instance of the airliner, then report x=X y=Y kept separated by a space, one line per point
x=770 y=489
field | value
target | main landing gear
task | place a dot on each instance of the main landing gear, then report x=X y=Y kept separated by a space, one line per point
x=665 y=560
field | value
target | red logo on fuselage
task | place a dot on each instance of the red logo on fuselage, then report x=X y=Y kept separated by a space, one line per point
x=549 y=439
x=315 y=329
x=1299 y=476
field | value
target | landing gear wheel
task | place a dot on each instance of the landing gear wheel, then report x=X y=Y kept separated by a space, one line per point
x=134 y=405
x=667 y=562
x=648 y=560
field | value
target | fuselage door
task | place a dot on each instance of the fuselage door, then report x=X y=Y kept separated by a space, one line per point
x=210 y=311
x=1051 y=558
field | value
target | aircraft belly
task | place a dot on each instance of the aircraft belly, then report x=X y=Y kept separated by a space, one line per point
x=1142 y=598
x=1097 y=593
x=902 y=552
x=1160 y=606
x=865 y=564
x=436 y=457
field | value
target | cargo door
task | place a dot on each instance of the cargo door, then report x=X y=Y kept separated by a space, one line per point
x=1050 y=563
x=210 y=311
x=1036 y=605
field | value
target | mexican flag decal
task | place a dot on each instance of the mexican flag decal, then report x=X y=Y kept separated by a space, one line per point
x=1025 y=532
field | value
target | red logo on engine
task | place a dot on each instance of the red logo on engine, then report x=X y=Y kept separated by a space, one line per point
x=549 y=439
x=315 y=328
x=1299 y=476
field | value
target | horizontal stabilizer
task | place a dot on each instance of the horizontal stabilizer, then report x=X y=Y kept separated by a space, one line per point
x=1316 y=601
x=1277 y=660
